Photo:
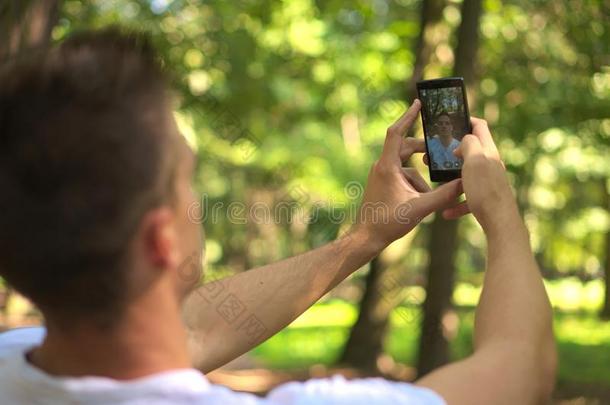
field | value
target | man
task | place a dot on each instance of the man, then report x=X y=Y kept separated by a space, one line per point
x=443 y=144
x=94 y=229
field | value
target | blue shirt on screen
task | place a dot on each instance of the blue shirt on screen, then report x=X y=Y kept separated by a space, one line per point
x=443 y=158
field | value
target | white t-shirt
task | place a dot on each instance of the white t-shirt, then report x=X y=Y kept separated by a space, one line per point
x=22 y=383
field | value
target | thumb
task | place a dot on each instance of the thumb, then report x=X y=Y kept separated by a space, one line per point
x=470 y=145
x=396 y=132
x=444 y=196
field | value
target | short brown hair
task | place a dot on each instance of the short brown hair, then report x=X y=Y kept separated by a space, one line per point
x=82 y=158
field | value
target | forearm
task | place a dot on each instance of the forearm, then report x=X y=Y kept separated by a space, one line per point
x=514 y=306
x=513 y=360
x=226 y=318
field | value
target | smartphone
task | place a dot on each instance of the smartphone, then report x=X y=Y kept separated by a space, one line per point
x=446 y=120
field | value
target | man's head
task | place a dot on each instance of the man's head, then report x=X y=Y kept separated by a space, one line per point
x=94 y=178
x=444 y=125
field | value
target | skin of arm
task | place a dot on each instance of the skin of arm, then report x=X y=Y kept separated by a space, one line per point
x=275 y=294
x=514 y=358
x=268 y=298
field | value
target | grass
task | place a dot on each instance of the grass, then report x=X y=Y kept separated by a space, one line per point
x=318 y=336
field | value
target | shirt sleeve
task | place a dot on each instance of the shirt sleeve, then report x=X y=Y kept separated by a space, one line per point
x=339 y=391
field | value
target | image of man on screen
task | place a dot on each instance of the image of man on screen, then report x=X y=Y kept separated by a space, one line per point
x=442 y=144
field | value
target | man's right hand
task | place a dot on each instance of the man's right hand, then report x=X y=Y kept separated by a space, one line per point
x=488 y=194
x=396 y=199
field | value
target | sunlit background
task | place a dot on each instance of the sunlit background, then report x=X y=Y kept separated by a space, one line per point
x=288 y=102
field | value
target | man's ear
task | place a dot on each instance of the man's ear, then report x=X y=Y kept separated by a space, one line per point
x=160 y=238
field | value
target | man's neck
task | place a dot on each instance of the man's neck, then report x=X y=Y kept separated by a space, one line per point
x=147 y=340
x=446 y=140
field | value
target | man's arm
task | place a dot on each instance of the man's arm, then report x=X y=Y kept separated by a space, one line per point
x=267 y=298
x=514 y=356
x=227 y=318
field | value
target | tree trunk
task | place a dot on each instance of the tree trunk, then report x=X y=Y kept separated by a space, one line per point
x=431 y=16
x=468 y=42
x=605 y=312
x=433 y=346
x=365 y=342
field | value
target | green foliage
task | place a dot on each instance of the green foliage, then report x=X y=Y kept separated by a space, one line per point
x=544 y=89
x=288 y=102
x=318 y=336
x=274 y=96
x=278 y=96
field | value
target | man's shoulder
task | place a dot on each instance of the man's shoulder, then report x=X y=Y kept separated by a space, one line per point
x=189 y=386
x=13 y=344
x=338 y=390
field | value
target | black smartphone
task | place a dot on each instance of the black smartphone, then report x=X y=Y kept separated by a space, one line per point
x=446 y=120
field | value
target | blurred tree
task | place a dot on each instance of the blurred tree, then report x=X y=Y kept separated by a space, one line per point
x=605 y=311
x=431 y=17
x=433 y=346
x=365 y=342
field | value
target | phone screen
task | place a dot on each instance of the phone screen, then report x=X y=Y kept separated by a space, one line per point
x=445 y=120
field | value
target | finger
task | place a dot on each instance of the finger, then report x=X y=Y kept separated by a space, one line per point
x=425 y=159
x=481 y=130
x=407 y=119
x=410 y=146
x=469 y=146
x=444 y=196
x=395 y=134
x=457 y=211
x=416 y=180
